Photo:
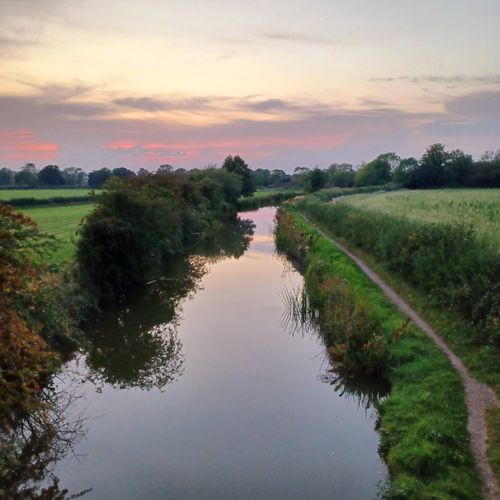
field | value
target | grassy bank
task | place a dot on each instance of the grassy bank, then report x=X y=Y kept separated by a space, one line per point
x=62 y=222
x=423 y=424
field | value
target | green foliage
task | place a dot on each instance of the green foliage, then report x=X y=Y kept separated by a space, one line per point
x=33 y=316
x=98 y=177
x=444 y=260
x=423 y=423
x=378 y=171
x=50 y=176
x=139 y=224
x=357 y=339
x=236 y=165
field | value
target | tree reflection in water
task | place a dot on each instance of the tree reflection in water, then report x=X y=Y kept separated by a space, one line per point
x=299 y=318
x=136 y=344
x=30 y=449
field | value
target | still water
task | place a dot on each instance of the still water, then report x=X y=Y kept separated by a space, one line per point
x=199 y=388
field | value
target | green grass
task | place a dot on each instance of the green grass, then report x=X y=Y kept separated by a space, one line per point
x=262 y=193
x=423 y=424
x=479 y=208
x=62 y=222
x=43 y=194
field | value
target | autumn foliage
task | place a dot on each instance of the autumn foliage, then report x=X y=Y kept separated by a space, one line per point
x=25 y=358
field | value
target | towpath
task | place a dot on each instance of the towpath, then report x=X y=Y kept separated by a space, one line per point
x=478 y=395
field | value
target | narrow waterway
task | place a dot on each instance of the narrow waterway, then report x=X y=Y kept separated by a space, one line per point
x=197 y=389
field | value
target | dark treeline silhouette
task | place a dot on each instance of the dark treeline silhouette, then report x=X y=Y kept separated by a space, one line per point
x=437 y=168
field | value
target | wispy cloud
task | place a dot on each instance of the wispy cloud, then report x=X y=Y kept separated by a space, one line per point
x=450 y=80
x=297 y=37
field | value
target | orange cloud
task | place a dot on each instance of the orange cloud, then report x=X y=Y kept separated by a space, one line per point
x=22 y=145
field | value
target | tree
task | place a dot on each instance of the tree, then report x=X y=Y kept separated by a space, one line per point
x=235 y=164
x=431 y=168
x=74 y=176
x=98 y=177
x=315 y=179
x=6 y=177
x=458 y=168
x=165 y=169
x=378 y=171
x=123 y=173
x=143 y=172
x=404 y=170
x=340 y=175
x=28 y=176
x=51 y=176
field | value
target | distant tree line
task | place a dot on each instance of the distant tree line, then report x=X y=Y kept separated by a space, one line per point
x=437 y=168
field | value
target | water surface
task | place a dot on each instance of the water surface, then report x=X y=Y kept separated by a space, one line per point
x=195 y=389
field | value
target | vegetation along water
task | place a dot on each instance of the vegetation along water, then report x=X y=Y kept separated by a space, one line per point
x=289 y=386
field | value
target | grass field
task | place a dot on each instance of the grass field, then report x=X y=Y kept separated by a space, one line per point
x=261 y=193
x=42 y=194
x=62 y=222
x=479 y=208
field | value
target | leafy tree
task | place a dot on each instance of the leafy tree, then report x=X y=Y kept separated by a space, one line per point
x=28 y=176
x=431 y=169
x=404 y=170
x=6 y=177
x=378 y=171
x=143 y=172
x=236 y=165
x=315 y=179
x=123 y=173
x=458 y=167
x=261 y=177
x=98 y=177
x=340 y=175
x=24 y=357
x=165 y=169
x=279 y=177
x=50 y=176
x=74 y=176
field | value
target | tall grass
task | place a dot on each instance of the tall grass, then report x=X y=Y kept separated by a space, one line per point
x=422 y=425
x=445 y=261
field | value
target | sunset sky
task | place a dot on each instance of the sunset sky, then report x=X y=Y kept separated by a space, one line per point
x=282 y=83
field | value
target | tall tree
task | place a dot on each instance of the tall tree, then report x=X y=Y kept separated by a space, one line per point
x=236 y=165
x=28 y=176
x=50 y=176
x=98 y=177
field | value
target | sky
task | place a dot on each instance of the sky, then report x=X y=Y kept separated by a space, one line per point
x=92 y=83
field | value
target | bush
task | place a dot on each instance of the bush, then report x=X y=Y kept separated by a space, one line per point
x=445 y=261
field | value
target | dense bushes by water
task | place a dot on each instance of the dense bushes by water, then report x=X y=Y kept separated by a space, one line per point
x=142 y=222
x=446 y=261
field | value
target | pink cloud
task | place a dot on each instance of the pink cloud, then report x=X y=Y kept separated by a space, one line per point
x=22 y=145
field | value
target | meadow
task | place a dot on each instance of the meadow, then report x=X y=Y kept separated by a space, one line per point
x=43 y=194
x=478 y=208
x=63 y=223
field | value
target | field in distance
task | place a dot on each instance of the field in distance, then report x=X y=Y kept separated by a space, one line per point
x=63 y=222
x=479 y=208
x=43 y=194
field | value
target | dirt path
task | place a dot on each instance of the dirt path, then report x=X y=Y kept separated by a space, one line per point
x=478 y=395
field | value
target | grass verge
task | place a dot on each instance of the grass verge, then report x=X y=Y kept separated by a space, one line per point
x=423 y=424
x=62 y=222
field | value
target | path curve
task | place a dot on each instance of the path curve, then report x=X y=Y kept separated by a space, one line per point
x=478 y=396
